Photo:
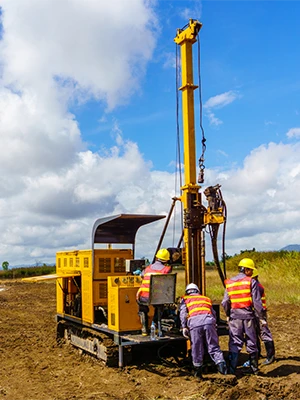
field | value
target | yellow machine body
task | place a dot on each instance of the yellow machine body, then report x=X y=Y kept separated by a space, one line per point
x=91 y=282
x=122 y=305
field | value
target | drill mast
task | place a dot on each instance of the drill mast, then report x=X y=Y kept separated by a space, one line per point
x=195 y=215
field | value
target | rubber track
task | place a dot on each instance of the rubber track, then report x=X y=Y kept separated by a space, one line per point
x=112 y=350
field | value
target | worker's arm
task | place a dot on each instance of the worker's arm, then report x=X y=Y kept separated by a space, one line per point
x=183 y=319
x=226 y=304
x=256 y=299
x=183 y=314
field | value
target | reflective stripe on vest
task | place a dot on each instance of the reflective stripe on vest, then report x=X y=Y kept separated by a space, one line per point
x=197 y=304
x=239 y=292
x=263 y=296
x=145 y=286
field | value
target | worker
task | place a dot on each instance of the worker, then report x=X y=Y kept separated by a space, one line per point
x=160 y=266
x=242 y=302
x=198 y=323
x=265 y=333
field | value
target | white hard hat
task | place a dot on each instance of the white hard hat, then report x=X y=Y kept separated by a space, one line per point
x=192 y=288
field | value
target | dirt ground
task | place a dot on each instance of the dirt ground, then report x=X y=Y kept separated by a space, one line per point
x=34 y=366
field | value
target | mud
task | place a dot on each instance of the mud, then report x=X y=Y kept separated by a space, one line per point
x=34 y=366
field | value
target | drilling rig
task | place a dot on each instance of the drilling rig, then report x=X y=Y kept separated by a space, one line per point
x=96 y=288
x=196 y=217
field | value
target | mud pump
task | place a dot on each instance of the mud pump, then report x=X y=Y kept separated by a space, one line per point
x=96 y=288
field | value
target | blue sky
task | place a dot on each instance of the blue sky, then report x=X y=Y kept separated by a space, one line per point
x=249 y=48
x=88 y=119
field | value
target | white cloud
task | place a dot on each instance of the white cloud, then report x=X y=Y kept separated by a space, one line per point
x=223 y=153
x=216 y=102
x=293 y=132
x=221 y=100
x=82 y=46
x=192 y=12
x=52 y=188
x=213 y=120
x=267 y=123
x=262 y=198
x=169 y=60
x=57 y=212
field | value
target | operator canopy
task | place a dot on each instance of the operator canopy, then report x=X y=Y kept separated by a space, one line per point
x=121 y=228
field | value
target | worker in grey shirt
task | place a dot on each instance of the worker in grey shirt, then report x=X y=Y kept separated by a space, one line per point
x=241 y=300
x=198 y=323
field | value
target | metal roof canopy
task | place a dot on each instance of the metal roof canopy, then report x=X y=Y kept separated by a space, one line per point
x=121 y=228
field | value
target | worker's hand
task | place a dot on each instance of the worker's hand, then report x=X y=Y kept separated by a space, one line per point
x=227 y=319
x=185 y=333
x=263 y=322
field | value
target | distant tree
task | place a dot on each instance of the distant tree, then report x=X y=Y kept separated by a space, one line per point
x=210 y=263
x=225 y=257
x=5 y=265
x=248 y=251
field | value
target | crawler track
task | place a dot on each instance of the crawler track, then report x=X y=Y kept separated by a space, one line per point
x=98 y=344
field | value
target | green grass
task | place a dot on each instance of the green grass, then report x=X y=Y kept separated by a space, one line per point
x=279 y=273
x=24 y=272
x=214 y=287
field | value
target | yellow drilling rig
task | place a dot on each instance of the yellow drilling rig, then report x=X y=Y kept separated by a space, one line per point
x=96 y=288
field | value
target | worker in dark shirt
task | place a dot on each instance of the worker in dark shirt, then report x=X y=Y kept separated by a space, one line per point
x=264 y=332
x=160 y=266
x=242 y=302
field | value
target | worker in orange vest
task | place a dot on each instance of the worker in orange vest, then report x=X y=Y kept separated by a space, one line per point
x=198 y=323
x=160 y=266
x=242 y=303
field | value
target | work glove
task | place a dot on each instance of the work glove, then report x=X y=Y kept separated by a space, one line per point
x=227 y=319
x=185 y=333
x=263 y=322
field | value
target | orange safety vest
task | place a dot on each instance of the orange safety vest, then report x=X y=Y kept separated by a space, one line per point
x=197 y=304
x=263 y=296
x=144 y=289
x=239 y=292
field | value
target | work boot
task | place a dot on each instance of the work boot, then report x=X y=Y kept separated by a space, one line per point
x=270 y=349
x=144 y=322
x=246 y=364
x=222 y=368
x=198 y=372
x=259 y=348
x=233 y=361
x=254 y=363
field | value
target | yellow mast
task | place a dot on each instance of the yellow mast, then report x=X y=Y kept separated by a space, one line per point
x=191 y=198
x=195 y=216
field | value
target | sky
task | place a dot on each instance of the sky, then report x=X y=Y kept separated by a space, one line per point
x=88 y=120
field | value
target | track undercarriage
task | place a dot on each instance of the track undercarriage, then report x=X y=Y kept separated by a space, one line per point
x=98 y=344
x=115 y=349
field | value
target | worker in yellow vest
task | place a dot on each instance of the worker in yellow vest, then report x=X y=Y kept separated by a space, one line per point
x=242 y=302
x=198 y=323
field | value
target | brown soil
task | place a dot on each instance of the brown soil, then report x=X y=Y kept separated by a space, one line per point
x=34 y=366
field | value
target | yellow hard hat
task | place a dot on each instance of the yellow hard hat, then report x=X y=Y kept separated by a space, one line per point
x=163 y=255
x=254 y=273
x=247 y=263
